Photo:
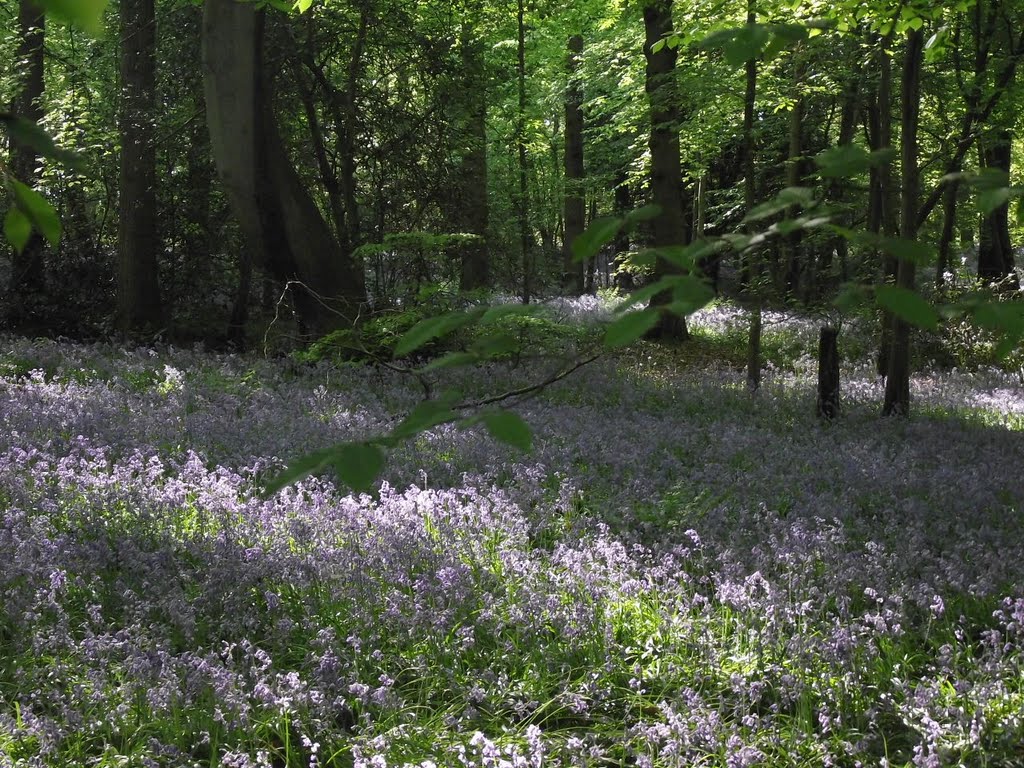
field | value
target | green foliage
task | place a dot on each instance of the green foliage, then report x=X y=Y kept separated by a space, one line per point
x=508 y=427
x=35 y=211
x=87 y=15
x=908 y=305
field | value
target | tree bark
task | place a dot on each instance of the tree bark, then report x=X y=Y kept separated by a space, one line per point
x=828 y=372
x=882 y=217
x=27 y=286
x=623 y=204
x=946 y=237
x=995 y=250
x=473 y=212
x=522 y=203
x=138 y=291
x=279 y=219
x=666 y=171
x=897 y=383
x=751 y=266
x=572 y=272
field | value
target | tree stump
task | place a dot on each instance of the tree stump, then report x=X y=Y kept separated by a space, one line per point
x=828 y=372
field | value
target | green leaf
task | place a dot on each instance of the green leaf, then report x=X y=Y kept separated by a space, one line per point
x=500 y=311
x=907 y=305
x=648 y=292
x=38 y=211
x=739 y=44
x=643 y=213
x=425 y=415
x=600 y=232
x=358 y=464
x=1000 y=316
x=29 y=134
x=302 y=467
x=17 y=229
x=508 y=427
x=989 y=200
x=688 y=257
x=851 y=296
x=843 y=161
x=303 y=5
x=785 y=199
x=87 y=15
x=690 y=294
x=918 y=252
x=434 y=328
x=495 y=345
x=451 y=360
x=630 y=327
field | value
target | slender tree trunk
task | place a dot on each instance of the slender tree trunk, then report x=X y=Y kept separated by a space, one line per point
x=897 y=383
x=837 y=192
x=886 y=193
x=27 y=273
x=623 y=203
x=946 y=238
x=522 y=203
x=572 y=272
x=752 y=261
x=138 y=291
x=795 y=267
x=666 y=172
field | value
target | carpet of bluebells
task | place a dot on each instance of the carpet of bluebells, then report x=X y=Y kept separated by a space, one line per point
x=678 y=574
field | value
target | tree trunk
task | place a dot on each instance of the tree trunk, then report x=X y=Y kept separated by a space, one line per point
x=828 y=372
x=666 y=171
x=623 y=203
x=792 y=247
x=27 y=273
x=995 y=251
x=572 y=272
x=946 y=238
x=476 y=266
x=138 y=290
x=837 y=191
x=522 y=203
x=897 y=383
x=751 y=264
x=883 y=217
x=279 y=219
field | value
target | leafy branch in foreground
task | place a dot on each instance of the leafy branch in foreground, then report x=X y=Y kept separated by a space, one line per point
x=358 y=464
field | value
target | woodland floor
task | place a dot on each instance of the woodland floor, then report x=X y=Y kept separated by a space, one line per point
x=678 y=574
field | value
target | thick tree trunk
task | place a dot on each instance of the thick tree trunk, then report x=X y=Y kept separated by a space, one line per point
x=473 y=211
x=897 y=383
x=279 y=219
x=995 y=251
x=27 y=274
x=572 y=272
x=138 y=290
x=666 y=172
